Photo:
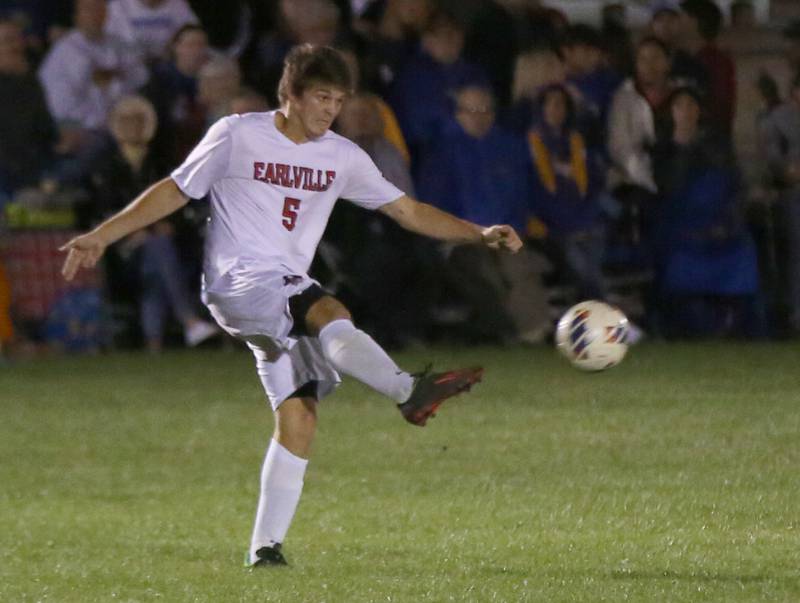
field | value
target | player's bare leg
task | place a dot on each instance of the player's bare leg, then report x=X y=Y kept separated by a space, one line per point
x=282 y=478
x=296 y=425
x=353 y=352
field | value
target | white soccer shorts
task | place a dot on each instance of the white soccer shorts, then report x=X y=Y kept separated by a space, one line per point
x=254 y=307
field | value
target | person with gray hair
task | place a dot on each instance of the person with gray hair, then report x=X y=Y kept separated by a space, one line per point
x=150 y=255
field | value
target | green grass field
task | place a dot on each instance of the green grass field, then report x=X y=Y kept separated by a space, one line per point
x=674 y=477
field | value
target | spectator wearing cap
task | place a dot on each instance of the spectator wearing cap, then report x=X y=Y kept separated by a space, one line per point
x=479 y=171
x=84 y=74
x=665 y=21
x=702 y=26
x=780 y=134
x=588 y=74
x=421 y=93
x=148 y=26
x=667 y=26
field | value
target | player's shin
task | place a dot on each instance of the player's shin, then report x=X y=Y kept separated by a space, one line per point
x=281 y=485
x=353 y=352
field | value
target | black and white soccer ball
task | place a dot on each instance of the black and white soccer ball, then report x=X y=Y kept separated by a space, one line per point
x=593 y=335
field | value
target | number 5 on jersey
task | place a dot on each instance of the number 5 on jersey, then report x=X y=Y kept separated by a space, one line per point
x=290 y=208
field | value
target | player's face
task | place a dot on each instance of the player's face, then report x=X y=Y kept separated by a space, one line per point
x=318 y=107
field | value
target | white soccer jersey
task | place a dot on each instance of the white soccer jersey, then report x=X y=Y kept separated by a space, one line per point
x=270 y=197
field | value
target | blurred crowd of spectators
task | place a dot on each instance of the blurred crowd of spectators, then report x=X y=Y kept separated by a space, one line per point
x=623 y=155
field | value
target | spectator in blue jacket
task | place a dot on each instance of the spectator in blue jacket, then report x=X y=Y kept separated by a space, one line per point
x=567 y=180
x=707 y=274
x=480 y=172
x=421 y=93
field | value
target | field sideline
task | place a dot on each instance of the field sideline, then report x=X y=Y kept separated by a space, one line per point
x=674 y=477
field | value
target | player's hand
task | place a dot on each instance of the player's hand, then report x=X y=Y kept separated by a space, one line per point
x=501 y=237
x=82 y=252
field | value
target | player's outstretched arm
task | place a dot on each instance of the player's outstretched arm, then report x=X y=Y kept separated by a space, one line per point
x=430 y=221
x=158 y=201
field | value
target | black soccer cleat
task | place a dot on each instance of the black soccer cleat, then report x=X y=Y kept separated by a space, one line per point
x=269 y=555
x=431 y=389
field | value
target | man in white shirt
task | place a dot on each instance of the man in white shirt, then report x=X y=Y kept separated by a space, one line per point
x=273 y=179
x=147 y=26
x=86 y=72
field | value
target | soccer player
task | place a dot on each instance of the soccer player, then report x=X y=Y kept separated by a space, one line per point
x=273 y=179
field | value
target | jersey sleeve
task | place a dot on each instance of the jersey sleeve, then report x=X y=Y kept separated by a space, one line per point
x=207 y=163
x=365 y=185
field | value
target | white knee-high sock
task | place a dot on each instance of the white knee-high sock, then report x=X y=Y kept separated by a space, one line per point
x=353 y=352
x=281 y=485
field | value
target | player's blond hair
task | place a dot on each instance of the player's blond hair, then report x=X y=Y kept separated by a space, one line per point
x=307 y=64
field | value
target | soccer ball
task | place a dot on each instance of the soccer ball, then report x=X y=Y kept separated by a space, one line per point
x=592 y=335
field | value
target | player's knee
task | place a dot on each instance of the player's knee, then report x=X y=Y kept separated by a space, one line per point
x=325 y=310
x=296 y=425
